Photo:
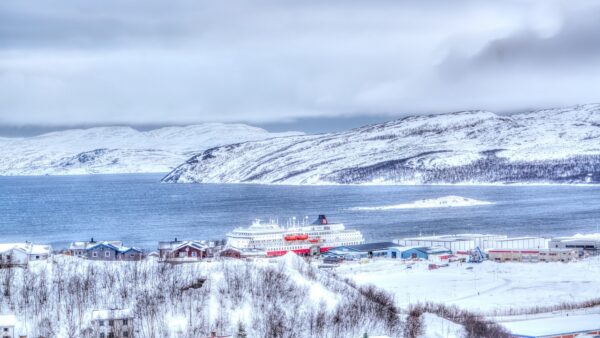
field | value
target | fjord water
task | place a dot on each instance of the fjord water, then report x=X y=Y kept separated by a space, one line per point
x=139 y=210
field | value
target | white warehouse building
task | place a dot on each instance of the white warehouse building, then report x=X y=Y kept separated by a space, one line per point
x=463 y=243
x=516 y=243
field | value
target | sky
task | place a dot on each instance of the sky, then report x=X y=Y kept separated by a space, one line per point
x=305 y=64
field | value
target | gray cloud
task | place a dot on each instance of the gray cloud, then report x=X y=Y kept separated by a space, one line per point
x=152 y=62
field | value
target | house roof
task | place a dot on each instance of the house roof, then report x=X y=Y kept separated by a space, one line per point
x=366 y=247
x=28 y=248
x=112 y=246
x=111 y=314
x=192 y=244
x=175 y=245
x=86 y=245
x=8 y=320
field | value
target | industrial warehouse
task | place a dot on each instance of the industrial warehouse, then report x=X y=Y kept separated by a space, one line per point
x=471 y=248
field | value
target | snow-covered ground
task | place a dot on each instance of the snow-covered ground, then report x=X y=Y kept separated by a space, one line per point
x=118 y=149
x=283 y=297
x=486 y=288
x=440 y=202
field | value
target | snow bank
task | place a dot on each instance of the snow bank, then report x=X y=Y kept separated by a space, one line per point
x=437 y=327
x=440 y=202
x=488 y=287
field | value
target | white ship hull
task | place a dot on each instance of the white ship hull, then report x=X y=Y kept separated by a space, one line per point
x=310 y=239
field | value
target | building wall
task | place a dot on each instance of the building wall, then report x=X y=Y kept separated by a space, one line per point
x=130 y=256
x=516 y=243
x=230 y=253
x=7 y=331
x=581 y=244
x=13 y=257
x=414 y=253
x=187 y=253
x=120 y=328
x=101 y=253
x=532 y=256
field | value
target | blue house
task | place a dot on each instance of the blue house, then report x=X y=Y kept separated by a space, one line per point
x=415 y=252
x=368 y=250
x=108 y=251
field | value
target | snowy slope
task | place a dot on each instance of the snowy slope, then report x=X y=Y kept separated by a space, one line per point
x=555 y=145
x=118 y=149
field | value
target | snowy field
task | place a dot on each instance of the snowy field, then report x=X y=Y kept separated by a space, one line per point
x=487 y=288
x=283 y=297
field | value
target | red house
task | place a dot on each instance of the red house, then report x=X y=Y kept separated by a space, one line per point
x=182 y=251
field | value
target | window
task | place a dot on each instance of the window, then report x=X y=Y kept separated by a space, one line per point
x=111 y=335
x=94 y=254
x=107 y=254
x=111 y=322
x=125 y=333
x=102 y=335
x=101 y=322
x=124 y=321
x=193 y=253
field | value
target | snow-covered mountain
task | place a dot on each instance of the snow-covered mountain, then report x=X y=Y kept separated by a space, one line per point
x=118 y=149
x=554 y=145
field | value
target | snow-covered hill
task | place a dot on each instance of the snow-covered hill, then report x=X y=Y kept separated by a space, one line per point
x=554 y=145
x=118 y=149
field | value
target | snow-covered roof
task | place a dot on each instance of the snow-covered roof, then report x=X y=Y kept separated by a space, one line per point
x=554 y=325
x=111 y=245
x=37 y=249
x=111 y=314
x=86 y=245
x=28 y=248
x=174 y=245
x=248 y=251
x=193 y=244
x=7 y=320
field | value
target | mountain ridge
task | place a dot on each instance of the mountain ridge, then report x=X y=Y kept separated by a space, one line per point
x=560 y=145
x=118 y=149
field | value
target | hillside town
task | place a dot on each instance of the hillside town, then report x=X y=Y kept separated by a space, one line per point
x=436 y=251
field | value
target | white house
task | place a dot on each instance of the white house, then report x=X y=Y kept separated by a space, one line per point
x=22 y=253
x=115 y=323
x=7 y=326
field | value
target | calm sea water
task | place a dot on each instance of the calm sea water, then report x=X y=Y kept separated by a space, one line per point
x=141 y=211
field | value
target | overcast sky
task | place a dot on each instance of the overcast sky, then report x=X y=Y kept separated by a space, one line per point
x=151 y=62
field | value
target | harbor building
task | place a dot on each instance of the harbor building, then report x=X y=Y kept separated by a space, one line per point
x=589 y=244
x=464 y=243
x=455 y=243
x=515 y=243
x=353 y=252
x=436 y=253
x=532 y=255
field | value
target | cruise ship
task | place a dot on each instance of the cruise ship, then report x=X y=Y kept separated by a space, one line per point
x=301 y=238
